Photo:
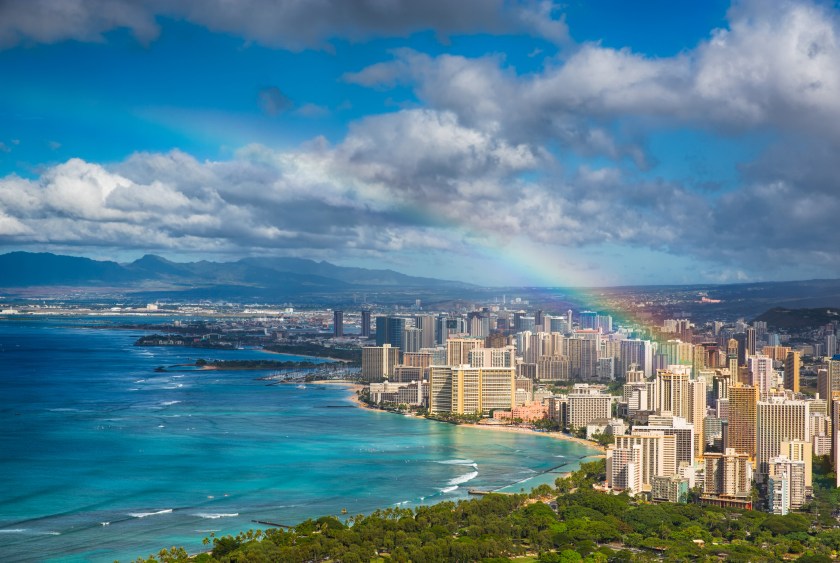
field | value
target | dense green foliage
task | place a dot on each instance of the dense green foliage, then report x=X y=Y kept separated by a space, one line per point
x=570 y=522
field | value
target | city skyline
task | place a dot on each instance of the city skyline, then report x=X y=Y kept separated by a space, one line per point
x=510 y=143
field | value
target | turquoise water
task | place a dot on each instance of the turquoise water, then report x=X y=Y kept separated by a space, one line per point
x=104 y=459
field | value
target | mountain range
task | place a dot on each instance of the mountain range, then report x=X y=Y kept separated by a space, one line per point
x=243 y=277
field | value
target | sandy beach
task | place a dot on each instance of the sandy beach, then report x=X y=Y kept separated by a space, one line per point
x=355 y=387
x=352 y=386
x=555 y=435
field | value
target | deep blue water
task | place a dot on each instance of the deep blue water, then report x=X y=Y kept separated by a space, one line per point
x=92 y=435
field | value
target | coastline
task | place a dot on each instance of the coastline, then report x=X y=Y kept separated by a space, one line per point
x=555 y=435
x=354 y=398
x=352 y=386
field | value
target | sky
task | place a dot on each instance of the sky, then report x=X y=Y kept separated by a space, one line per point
x=583 y=143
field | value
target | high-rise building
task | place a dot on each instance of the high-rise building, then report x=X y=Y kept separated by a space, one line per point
x=677 y=352
x=792 y=363
x=553 y=368
x=672 y=488
x=583 y=356
x=338 y=324
x=624 y=468
x=465 y=389
x=728 y=474
x=378 y=362
x=835 y=439
x=800 y=450
x=492 y=357
x=587 y=404
x=741 y=431
x=605 y=324
x=440 y=388
x=638 y=353
x=588 y=320
x=761 y=373
x=673 y=393
x=749 y=332
x=426 y=323
x=786 y=485
x=697 y=413
x=458 y=350
x=658 y=453
x=828 y=380
x=558 y=324
x=741 y=339
x=606 y=368
x=778 y=420
x=412 y=340
x=720 y=385
x=365 y=330
x=389 y=330
x=830 y=345
x=517 y=321
x=478 y=325
x=441 y=329
x=633 y=374
x=673 y=426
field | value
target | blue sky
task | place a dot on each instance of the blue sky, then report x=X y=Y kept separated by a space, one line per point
x=585 y=143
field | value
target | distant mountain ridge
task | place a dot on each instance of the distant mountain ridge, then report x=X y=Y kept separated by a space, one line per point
x=289 y=275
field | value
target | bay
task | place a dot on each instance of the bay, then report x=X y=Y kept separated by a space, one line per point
x=102 y=458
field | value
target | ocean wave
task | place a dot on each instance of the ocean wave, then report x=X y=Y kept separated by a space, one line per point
x=448 y=489
x=463 y=478
x=13 y=531
x=169 y=403
x=216 y=515
x=145 y=514
x=208 y=531
x=457 y=462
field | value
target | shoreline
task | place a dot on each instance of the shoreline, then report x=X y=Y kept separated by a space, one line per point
x=354 y=398
x=352 y=386
x=554 y=435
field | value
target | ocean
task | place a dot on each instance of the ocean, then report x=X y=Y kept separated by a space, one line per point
x=103 y=459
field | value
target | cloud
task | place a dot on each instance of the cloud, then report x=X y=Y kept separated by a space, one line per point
x=312 y=111
x=287 y=24
x=273 y=101
x=52 y=21
x=486 y=157
x=775 y=68
x=414 y=181
x=411 y=180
